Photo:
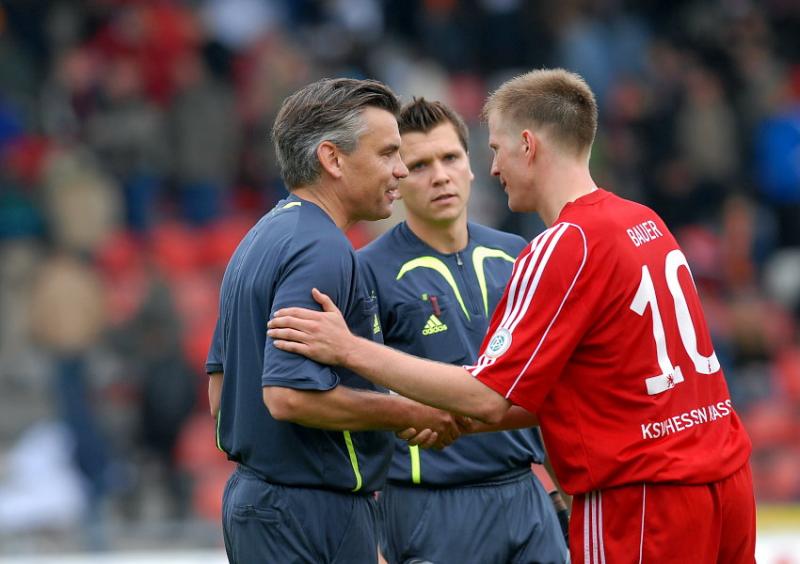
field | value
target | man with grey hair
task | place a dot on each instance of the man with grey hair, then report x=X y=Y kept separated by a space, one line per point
x=310 y=440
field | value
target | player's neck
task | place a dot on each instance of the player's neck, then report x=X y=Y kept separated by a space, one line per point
x=446 y=238
x=566 y=185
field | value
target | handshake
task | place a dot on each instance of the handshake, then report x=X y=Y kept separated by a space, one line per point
x=435 y=428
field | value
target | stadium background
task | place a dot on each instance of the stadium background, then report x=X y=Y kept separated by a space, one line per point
x=134 y=153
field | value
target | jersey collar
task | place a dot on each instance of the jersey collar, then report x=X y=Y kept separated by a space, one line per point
x=586 y=200
x=414 y=241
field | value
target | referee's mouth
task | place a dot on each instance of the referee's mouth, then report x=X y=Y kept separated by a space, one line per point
x=445 y=198
x=393 y=193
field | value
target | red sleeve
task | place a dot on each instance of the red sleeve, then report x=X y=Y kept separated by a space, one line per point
x=539 y=321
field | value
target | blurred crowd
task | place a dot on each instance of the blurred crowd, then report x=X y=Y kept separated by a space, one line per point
x=135 y=152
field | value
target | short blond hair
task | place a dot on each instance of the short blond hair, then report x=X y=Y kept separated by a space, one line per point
x=550 y=98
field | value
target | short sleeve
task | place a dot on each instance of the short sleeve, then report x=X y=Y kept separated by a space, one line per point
x=537 y=324
x=214 y=360
x=328 y=265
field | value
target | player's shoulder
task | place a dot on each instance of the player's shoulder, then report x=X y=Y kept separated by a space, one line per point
x=564 y=231
x=601 y=209
x=490 y=237
x=565 y=239
x=600 y=228
x=625 y=208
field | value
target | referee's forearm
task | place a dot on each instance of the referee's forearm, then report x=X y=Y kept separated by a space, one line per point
x=341 y=408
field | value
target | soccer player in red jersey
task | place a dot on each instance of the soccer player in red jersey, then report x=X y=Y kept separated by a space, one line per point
x=601 y=336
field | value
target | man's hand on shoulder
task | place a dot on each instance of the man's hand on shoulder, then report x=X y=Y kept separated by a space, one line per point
x=320 y=335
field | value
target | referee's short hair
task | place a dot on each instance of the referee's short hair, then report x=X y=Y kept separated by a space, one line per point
x=326 y=110
x=421 y=115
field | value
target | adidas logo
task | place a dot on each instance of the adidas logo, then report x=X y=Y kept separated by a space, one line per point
x=433 y=326
x=376 y=325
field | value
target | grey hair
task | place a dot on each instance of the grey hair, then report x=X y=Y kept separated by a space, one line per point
x=326 y=110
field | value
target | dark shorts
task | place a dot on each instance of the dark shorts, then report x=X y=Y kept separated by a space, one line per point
x=508 y=522
x=269 y=523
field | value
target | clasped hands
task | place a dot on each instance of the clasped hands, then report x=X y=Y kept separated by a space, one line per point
x=442 y=431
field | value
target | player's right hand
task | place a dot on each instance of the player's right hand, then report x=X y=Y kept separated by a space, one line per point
x=440 y=422
x=425 y=438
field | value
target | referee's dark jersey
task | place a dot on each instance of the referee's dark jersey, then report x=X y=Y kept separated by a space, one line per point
x=293 y=248
x=438 y=306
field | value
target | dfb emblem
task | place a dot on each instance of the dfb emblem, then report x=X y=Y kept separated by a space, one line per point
x=499 y=343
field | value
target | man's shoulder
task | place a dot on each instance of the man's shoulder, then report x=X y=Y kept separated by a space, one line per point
x=385 y=250
x=306 y=228
x=602 y=209
x=393 y=238
x=290 y=234
x=564 y=243
x=602 y=223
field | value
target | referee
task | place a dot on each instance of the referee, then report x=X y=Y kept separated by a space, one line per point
x=437 y=277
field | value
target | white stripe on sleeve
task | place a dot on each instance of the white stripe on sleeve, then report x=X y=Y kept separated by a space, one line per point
x=558 y=311
x=526 y=301
x=516 y=286
x=522 y=276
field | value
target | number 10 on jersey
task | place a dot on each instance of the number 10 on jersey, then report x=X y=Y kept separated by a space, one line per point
x=671 y=374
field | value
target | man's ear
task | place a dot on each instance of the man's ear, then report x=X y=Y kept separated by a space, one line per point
x=329 y=154
x=529 y=144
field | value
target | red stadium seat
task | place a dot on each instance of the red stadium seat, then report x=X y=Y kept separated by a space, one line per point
x=174 y=248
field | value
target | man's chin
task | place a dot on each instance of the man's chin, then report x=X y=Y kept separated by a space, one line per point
x=383 y=212
x=519 y=207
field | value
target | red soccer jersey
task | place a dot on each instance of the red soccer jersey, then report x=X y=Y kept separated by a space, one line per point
x=601 y=333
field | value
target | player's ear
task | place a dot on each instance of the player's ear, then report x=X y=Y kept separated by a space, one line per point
x=329 y=158
x=529 y=144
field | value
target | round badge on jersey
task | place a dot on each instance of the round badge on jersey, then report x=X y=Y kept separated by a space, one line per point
x=500 y=342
